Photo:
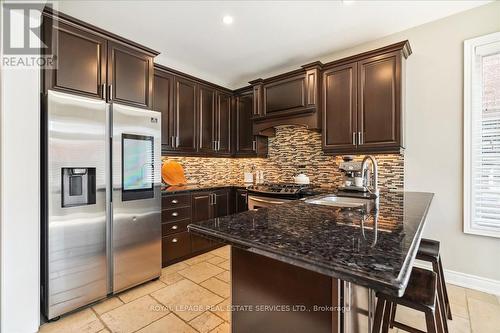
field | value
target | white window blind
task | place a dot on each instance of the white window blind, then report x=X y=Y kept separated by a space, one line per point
x=482 y=135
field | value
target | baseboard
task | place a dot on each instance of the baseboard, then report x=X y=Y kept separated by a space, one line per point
x=470 y=281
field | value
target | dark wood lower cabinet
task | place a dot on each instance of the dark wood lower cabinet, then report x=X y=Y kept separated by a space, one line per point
x=221 y=204
x=200 y=243
x=179 y=210
x=240 y=200
x=175 y=246
x=301 y=302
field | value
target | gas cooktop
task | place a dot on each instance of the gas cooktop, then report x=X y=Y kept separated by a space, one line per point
x=281 y=189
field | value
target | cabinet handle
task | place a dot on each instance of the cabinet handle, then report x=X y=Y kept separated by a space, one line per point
x=215 y=199
x=254 y=145
x=110 y=93
x=353 y=138
x=175 y=201
x=360 y=139
x=103 y=90
x=174 y=240
x=174 y=227
x=175 y=214
x=176 y=142
x=172 y=143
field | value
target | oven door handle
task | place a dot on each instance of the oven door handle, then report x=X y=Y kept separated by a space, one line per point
x=265 y=201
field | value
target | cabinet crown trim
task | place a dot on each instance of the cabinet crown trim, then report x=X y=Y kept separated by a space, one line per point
x=56 y=15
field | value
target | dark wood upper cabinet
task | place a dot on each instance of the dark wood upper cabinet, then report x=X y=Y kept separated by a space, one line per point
x=288 y=99
x=206 y=119
x=80 y=59
x=285 y=95
x=130 y=76
x=339 y=100
x=379 y=97
x=363 y=104
x=199 y=123
x=185 y=114
x=163 y=101
x=223 y=123
x=245 y=143
x=95 y=63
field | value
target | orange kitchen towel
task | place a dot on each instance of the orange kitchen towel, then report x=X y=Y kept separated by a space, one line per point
x=172 y=173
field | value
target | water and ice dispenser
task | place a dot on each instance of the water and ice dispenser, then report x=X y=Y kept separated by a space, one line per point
x=78 y=186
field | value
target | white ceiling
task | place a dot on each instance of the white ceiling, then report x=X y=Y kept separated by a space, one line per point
x=267 y=37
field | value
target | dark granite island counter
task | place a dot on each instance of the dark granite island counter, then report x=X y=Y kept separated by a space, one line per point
x=305 y=261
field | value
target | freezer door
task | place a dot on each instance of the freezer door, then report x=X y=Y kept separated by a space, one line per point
x=136 y=202
x=74 y=262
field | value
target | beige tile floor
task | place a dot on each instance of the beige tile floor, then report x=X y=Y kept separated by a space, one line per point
x=193 y=296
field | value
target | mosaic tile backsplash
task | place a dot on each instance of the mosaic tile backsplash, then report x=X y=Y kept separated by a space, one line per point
x=292 y=147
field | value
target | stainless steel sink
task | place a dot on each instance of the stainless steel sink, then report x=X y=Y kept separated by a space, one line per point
x=342 y=202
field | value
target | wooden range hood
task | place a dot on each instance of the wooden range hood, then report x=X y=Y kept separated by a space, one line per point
x=287 y=99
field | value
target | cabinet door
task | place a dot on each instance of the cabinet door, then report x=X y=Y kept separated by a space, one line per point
x=339 y=108
x=285 y=96
x=379 y=97
x=174 y=247
x=163 y=102
x=241 y=201
x=221 y=206
x=200 y=243
x=202 y=211
x=130 y=76
x=185 y=115
x=201 y=206
x=80 y=60
x=206 y=119
x=223 y=123
x=245 y=143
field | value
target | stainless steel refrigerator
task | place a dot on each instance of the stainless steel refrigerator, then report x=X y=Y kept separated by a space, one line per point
x=101 y=208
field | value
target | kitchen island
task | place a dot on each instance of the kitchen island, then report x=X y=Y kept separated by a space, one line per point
x=300 y=267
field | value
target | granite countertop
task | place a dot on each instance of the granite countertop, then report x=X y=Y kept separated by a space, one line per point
x=341 y=243
x=198 y=187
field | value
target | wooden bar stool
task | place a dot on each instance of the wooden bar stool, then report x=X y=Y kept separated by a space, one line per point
x=429 y=251
x=421 y=295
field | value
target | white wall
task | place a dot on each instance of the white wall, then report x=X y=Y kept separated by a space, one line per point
x=433 y=158
x=19 y=200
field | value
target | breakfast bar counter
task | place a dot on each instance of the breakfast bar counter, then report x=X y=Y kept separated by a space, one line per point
x=295 y=264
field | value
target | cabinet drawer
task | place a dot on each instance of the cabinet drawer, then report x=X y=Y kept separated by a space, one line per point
x=175 y=201
x=175 y=246
x=174 y=227
x=176 y=214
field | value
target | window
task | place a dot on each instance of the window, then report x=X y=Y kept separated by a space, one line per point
x=482 y=135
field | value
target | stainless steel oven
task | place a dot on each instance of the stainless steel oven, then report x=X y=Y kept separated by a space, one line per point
x=256 y=202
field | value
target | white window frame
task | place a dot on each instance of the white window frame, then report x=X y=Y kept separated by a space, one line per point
x=469 y=51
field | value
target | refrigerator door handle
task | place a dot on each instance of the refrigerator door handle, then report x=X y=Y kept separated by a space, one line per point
x=110 y=93
x=103 y=91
